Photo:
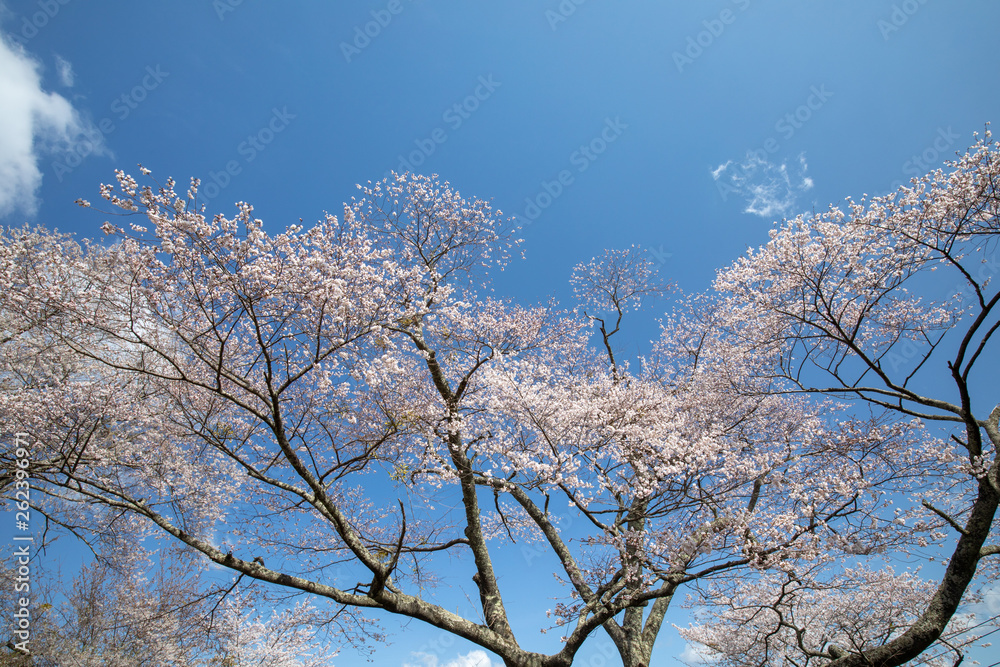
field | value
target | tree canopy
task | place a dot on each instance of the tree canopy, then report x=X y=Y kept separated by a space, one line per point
x=332 y=410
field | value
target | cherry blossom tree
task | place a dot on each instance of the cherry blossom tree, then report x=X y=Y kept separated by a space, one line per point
x=332 y=411
x=121 y=611
x=113 y=615
x=849 y=304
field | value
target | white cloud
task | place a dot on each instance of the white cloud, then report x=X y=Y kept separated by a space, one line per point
x=720 y=169
x=475 y=658
x=696 y=654
x=770 y=189
x=33 y=123
x=991 y=598
x=65 y=69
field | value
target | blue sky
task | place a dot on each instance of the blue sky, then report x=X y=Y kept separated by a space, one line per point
x=687 y=128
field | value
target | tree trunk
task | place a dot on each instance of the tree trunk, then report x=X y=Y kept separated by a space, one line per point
x=636 y=654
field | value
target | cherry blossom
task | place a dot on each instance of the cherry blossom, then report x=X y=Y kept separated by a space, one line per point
x=334 y=410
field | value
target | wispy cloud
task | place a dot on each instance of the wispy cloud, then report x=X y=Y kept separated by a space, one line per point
x=65 y=70
x=770 y=189
x=718 y=171
x=32 y=123
x=471 y=659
